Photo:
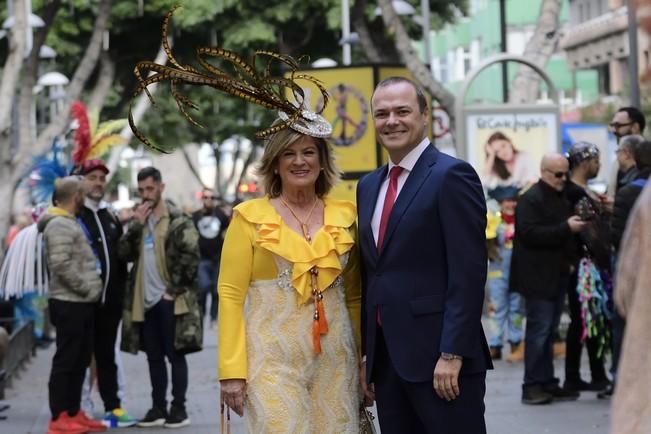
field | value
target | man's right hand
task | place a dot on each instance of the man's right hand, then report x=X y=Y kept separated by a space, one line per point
x=576 y=224
x=142 y=212
x=368 y=389
x=233 y=394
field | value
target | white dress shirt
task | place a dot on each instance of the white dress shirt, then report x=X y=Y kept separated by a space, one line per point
x=407 y=165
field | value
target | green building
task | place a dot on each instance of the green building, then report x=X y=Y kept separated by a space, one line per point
x=459 y=47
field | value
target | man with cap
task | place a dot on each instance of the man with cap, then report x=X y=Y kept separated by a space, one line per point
x=506 y=307
x=592 y=242
x=103 y=230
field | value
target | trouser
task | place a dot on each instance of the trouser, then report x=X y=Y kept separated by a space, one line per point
x=74 y=345
x=543 y=316
x=508 y=313
x=415 y=408
x=107 y=321
x=208 y=274
x=574 y=346
x=158 y=339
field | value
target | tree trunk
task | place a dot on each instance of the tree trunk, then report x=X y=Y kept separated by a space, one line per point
x=539 y=49
x=249 y=160
x=139 y=109
x=8 y=84
x=193 y=169
x=419 y=70
x=361 y=27
x=26 y=130
x=104 y=83
x=84 y=70
x=216 y=149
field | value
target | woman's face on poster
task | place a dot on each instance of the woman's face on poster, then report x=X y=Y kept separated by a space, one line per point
x=503 y=149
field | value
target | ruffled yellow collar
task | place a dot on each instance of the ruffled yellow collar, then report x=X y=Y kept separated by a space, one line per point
x=328 y=243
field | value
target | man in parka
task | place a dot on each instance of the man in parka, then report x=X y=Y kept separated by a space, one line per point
x=161 y=313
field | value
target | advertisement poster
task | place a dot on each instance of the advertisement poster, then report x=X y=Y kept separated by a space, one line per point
x=349 y=112
x=506 y=148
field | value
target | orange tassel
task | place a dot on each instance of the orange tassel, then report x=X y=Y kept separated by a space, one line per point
x=316 y=336
x=323 y=322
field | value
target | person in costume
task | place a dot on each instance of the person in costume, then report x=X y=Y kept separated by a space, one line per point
x=507 y=306
x=290 y=362
x=590 y=281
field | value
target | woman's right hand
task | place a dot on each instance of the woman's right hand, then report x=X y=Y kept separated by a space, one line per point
x=233 y=394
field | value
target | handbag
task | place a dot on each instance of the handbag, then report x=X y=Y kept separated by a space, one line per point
x=366 y=418
x=227 y=410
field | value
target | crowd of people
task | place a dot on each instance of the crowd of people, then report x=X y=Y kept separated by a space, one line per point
x=324 y=307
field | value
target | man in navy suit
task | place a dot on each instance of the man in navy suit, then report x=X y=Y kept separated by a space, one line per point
x=422 y=221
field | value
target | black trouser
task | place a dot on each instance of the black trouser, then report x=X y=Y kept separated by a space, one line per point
x=618 y=328
x=74 y=340
x=158 y=340
x=574 y=346
x=107 y=321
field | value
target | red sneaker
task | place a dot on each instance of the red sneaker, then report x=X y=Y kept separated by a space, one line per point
x=91 y=425
x=66 y=425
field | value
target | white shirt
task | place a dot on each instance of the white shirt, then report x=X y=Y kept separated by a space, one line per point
x=407 y=165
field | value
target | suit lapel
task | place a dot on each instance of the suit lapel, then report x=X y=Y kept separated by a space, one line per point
x=367 y=208
x=408 y=192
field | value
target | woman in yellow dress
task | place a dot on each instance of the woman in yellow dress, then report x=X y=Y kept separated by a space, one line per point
x=289 y=294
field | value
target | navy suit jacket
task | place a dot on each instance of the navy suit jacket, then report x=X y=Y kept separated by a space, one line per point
x=428 y=281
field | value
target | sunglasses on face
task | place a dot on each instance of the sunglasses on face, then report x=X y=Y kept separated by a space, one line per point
x=557 y=175
x=209 y=198
x=617 y=125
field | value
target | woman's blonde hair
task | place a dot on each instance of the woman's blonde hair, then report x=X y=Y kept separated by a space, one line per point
x=277 y=144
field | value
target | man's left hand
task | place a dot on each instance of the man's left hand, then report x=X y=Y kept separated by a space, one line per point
x=446 y=378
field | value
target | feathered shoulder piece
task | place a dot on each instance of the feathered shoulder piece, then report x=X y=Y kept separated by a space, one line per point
x=248 y=82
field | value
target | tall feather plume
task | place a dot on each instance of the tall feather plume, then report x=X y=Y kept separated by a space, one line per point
x=43 y=174
x=246 y=82
x=82 y=134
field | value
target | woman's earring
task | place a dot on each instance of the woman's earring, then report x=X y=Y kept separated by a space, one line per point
x=275 y=172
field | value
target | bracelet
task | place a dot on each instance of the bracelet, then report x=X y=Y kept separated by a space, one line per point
x=448 y=356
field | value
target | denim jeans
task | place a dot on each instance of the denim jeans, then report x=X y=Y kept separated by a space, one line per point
x=508 y=313
x=208 y=273
x=543 y=316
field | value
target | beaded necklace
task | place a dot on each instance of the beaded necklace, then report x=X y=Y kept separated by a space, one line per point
x=320 y=323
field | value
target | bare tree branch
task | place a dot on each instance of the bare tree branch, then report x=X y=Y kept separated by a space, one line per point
x=193 y=169
x=539 y=49
x=104 y=83
x=82 y=74
x=420 y=71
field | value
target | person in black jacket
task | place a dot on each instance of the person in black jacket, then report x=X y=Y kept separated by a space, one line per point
x=592 y=243
x=627 y=195
x=104 y=230
x=540 y=271
x=624 y=201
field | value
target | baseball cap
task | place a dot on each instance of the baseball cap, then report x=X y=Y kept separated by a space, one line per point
x=89 y=165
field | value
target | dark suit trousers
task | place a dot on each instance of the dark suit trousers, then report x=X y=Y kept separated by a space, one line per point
x=414 y=408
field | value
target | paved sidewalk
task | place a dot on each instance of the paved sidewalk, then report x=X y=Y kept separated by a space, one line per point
x=29 y=411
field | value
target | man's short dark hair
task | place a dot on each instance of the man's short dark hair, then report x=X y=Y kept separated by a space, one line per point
x=150 y=172
x=642 y=154
x=635 y=115
x=420 y=93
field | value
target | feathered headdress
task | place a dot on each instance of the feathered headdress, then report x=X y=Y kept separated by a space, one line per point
x=93 y=139
x=262 y=88
x=43 y=173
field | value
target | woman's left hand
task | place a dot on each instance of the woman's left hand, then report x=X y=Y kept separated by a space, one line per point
x=233 y=394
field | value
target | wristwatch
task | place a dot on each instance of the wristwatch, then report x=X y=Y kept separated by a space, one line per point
x=448 y=356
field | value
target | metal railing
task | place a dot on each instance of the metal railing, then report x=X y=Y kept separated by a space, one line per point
x=21 y=349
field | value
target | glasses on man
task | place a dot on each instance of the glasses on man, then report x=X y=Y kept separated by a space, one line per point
x=617 y=125
x=557 y=175
x=209 y=198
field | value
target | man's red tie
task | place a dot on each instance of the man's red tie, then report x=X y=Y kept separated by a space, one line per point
x=389 y=200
